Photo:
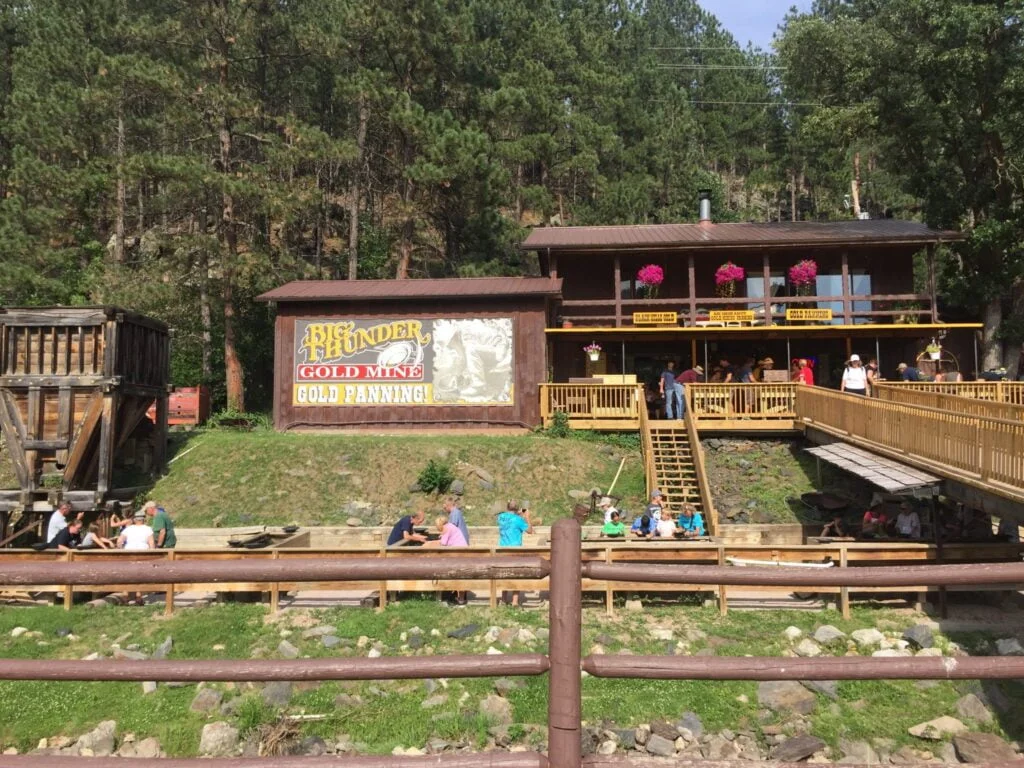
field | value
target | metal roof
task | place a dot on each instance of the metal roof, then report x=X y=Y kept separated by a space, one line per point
x=710 y=235
x=383 y=290
x=877 y=470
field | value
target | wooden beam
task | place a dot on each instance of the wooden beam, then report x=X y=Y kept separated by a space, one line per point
x=933 y=284
x=108 y=434
x=767 y=275
x=618 y=292
x=160 y=438
x=12 y=436
x=691 y=280
x=847 y=304
x=81 y=440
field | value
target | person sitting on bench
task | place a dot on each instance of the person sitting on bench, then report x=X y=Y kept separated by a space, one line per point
x=837 y=528
x=614 y=527
x=691 y=522
x=874 y=524
x=644 y=527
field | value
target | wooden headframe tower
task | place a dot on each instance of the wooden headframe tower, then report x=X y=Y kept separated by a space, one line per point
x=75 y=383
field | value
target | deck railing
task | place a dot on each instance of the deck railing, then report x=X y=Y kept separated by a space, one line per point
x=563 y=662
x=954 y=403
x=593 y=406
x=710 y=402
x=976 y=447
x=997 y=391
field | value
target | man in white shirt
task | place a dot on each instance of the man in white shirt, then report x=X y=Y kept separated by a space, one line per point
x=136 y=537
x=908 y=523
x=58 y=521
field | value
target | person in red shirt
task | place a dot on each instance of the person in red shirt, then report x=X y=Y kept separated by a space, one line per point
x=805 y=374
x=691 y=376
x=874 y=524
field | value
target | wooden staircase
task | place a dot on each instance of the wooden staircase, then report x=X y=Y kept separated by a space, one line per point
x=675 y=469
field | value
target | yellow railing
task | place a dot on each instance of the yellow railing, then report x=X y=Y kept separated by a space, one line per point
x=709 y=402
x=594 y=406
x=975 y=447
x=997 y=391
x=703 y=487
x=972 y=406
x=647 y=450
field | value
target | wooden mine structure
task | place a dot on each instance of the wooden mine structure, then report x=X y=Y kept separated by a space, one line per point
x=75 y=385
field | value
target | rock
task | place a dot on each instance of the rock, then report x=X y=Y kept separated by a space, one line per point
x=416 y=642
x=797 y=748
x=435 y=701
x=355 y=522
x=457 y=487
x=145 y=749
x=99 y=741
x=858 y=752
x=607 y=747
x=983 y=748
x=218 y=740
x=463 y=632
x=321 y=631
x=542 y=633
x=934 y=652
x=374 y=653
x=91 y=657
x=277 y=694
x=505 y=685
x=330 y=641
x=312 y=746
x=970 y=707
x=287 y=650
x=660 y=747
x=496 y=709
x=662 y=634
x=920 y=636
x=665 y=730
x=120 y=653
x=486 y=485
x=786 y=696
x=506 y=636
x=827 y=634
x=482 y=474
x=492 y=651
x=63 y=632
x=164 y=649
x=892 y=653
x=938 y=728
x=641 y=734
x=808 y=648
x=634 y=606
x=148 y=687
x=867 y=637
x=347 y=701
x=627 y=738
x=206 y=700
x=1009 y=646
x=828 y=688
x=604 y=639
x=18 y=631
x=719 y=747
x=577 y=495
x=792 y=633
x=525 y=636
x=692 y=723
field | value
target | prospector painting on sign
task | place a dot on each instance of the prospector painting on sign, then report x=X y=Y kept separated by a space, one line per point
x=403 y=362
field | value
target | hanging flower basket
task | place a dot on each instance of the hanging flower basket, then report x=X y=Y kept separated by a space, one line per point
x=726 y=278
x=803 y=276
x=593 y=350
x=650 y=277
x=934 y=350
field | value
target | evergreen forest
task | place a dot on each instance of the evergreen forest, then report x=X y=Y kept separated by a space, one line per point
x=180 y=157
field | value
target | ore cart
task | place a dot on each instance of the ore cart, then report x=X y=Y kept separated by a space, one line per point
x=75 y=385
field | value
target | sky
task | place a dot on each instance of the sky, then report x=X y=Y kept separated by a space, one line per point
x=752 y=20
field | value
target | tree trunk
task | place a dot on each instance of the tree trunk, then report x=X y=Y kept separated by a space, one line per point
x=205 y=311
x=354 y=189
x=121 y=203
x=991 y=346
x=228 y=238
x=855 y=185
x=408 y=225
x=1015 y=349
x=792 y=196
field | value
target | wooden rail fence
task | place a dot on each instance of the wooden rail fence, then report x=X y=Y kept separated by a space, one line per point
x=590 y=406
x=954 y=403
x=563 y=662
x=1011 y=392
x=772 y=402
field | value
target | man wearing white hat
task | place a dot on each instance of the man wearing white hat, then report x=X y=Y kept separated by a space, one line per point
x=608 y=508
x=855 y=377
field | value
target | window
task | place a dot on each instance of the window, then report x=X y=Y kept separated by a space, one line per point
x=777 y=286
x=830 y=285
x=627 y=288
x=860 y=285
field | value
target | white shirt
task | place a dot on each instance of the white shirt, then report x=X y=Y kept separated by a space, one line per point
x=909 y=524
x=855 y=378
x=608 y=514
x=137 y=536
x=666 y=528
x=57 y=524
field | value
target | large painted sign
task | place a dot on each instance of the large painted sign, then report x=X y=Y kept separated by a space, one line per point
x=372 y=362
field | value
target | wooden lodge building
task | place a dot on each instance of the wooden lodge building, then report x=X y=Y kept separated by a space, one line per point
x=474 y=351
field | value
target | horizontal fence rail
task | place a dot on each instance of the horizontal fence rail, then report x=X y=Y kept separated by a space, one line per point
x=953 y=403
x=593 y=405
x=1011 y=392
x=708 y=402
x=243 y=670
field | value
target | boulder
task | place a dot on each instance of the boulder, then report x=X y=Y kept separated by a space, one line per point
x=330 y=641
x=287 y=650
x=277 y=694
x=807 y=648
x=786 y=696
x=858 y=753
x=145 y=749
x=983 y=748
x=100 y=740
x=920 y=636
x=660 y=747
x=1009 y=646
x=120 y=653
x=867 y=637
x=792 y=633
x=164 y=649
x=938 y=728
x=634 y=606
x=463 y=632
x=692 y=723
x=641 y=734
x=457 y=487
x=720 y=747
x=892 y=653
x=218 y=739
x=627 y=738
x=18 y=631
x=496 y=709
x=321 y=631
x=797 y=748
x=828 y=688
x=827 y=634
x=505 y=685
x=206 y=700
x=970 y=707
x=435 y=701
x=665 y=730
x=148 y=687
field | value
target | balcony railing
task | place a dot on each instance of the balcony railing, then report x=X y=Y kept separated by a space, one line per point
x=593 y=406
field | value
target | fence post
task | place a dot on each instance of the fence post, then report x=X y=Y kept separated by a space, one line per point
x=564 y=696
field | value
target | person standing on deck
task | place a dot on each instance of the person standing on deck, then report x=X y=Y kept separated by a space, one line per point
x=805 y=374
x=667 y=388
x=855 y=378
x=455 y=516
x=512 y=524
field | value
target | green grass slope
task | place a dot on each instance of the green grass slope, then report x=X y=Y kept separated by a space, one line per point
x=264 y=477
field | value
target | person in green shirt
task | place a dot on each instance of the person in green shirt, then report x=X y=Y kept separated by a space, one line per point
x=162 y=525
x=614 y=526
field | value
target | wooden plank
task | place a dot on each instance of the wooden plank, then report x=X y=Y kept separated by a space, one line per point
x=108 y=434
x=12 y=430
x=80 y=443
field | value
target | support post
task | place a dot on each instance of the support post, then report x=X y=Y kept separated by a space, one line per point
x=932 y=285
x=169 y=599
x=691 y=280
x=847 y=304
x=844 y=592
x=108 y=430
x=160 y=447
x=618 y=291
x=723 y=596
x=383 y=602
x=492 y=598
x=69 y=589
x=275 y=589
x=564 y=694
x=766 y=268
x=609 y=586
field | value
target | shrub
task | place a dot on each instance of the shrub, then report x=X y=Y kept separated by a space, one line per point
x=232 y=419
x=559 y=425
x=436 y=477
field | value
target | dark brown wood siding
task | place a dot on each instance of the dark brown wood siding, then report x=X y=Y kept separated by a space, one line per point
x=530 y=365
